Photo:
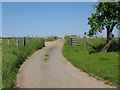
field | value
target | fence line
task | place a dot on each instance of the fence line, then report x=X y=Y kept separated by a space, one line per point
x=20 y=41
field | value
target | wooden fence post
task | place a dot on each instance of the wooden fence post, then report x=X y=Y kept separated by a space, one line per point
x=13 y=41
x=24 y=41
x=85 y=43
x=70 y=42
x=17 y=42
x=28 y=38
x=8 y=42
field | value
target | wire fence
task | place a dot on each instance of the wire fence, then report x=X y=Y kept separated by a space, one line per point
x=18 y=41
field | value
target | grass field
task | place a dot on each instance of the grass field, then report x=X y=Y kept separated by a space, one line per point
x=103 y=66
x=13 y=56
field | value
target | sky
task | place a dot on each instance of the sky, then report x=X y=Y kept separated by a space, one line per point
x=49 y=0
x=0 y=19
x=45 y=19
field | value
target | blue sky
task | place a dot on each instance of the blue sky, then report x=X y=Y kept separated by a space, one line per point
x=0 y=19
x=46 y=18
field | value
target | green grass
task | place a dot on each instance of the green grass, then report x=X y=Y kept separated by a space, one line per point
x=51 y=39
x=13 y=57
x=46 y=57
x=103 y=66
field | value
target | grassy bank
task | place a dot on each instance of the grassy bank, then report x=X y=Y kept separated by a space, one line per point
x=13 y=56
x=103 y=66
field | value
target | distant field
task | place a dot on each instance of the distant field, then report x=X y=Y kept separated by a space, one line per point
x=13 y=55
x=51 y=39
x=103 y=66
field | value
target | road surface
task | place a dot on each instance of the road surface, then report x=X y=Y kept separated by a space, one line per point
x=47 y=68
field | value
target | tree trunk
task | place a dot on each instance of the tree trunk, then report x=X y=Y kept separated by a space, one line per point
x=109 y=36
x=109 y=41
x=108 y=32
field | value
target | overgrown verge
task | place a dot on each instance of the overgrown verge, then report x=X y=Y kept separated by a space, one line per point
x=13 y=56
x=103 y=66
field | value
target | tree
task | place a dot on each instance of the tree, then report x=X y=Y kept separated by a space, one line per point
x=107 y=17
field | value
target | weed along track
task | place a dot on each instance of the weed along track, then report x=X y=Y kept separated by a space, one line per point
x=14 y=52
x=46 y=57
x=47 y=68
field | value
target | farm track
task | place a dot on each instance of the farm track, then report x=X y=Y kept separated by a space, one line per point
x=55 y=72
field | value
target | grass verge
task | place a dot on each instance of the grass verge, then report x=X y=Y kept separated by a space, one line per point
x=13 y=56
x=103 y=66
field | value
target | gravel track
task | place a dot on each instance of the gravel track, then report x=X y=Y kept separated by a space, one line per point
x=56 y=72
